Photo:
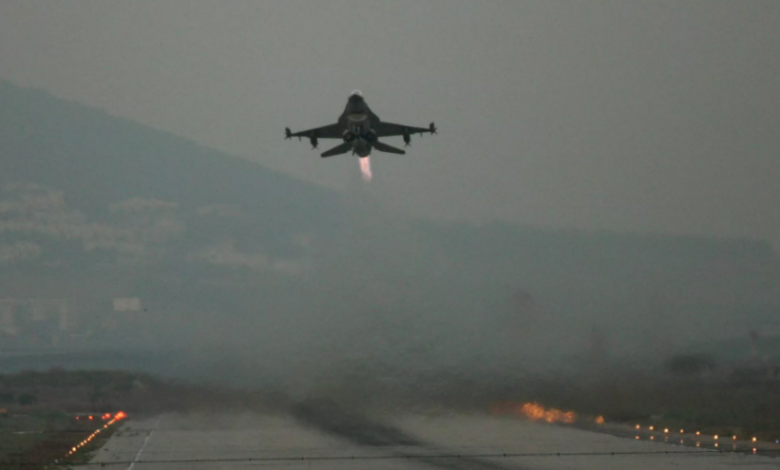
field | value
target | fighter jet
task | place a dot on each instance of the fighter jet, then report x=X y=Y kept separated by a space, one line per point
x=360 y=129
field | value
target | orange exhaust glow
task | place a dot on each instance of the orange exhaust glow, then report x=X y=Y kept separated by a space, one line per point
x=365 y=168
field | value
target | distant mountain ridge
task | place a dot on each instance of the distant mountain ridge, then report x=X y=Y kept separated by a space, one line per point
x=96 y=158
x=95 y=207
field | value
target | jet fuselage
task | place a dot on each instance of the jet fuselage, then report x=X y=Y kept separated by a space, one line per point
x=357 y=121
x=360 y=130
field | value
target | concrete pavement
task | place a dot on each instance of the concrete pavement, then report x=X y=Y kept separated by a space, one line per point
x=314 y=440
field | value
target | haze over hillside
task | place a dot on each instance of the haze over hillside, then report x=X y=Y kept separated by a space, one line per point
x=254 y=274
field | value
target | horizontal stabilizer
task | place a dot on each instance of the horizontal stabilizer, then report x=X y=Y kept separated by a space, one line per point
x=337 y=150
x=387 y=148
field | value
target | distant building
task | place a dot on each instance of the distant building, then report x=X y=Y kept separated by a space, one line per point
x=128 y=322
x=127 y=304
x=35 y=320
x=7 y=318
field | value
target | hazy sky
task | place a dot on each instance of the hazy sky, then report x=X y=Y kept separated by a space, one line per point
x=626 y=115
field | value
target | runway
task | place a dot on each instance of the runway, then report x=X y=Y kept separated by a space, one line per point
x=316 y=439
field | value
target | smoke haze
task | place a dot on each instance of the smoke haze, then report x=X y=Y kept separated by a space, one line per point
x=602 y=193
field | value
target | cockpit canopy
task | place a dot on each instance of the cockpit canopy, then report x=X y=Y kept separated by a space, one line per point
x=356 y=93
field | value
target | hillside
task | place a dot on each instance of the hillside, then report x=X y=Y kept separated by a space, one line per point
x=228 y=259
x=95 y=207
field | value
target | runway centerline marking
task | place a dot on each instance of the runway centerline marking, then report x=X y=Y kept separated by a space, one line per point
x=143 y=446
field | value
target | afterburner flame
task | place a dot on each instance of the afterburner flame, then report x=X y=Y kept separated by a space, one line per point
x=365 y=168
x=536 y=412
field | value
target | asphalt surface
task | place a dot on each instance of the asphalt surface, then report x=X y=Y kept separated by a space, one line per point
x=318 y=438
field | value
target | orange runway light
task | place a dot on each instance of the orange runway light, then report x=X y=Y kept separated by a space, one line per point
x=715 y=437
x=698 y=433
x=734 y=437
x=651 y=428
x=537 y=412
x=636 y=437
x=599 y=420
x=754 y=439
x=637 y=427
x=682 y=431
x=666 y=430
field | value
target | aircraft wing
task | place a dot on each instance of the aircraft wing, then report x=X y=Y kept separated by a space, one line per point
x=332 y=131
x=388 y=129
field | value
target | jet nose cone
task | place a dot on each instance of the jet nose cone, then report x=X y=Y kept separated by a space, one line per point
x=356 y=96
